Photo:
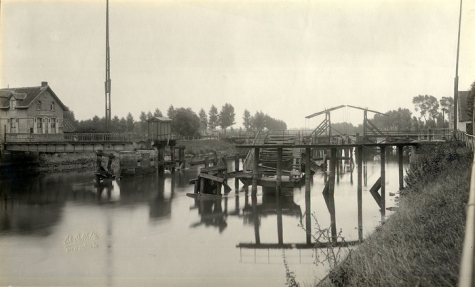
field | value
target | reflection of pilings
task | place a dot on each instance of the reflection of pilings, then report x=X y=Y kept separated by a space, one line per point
x=308 y=172
x=255 y=172
x=331 y=190
x=256 y=220
x=360 y=192
x=280 y=227
x=383 y=181
x=401 y=174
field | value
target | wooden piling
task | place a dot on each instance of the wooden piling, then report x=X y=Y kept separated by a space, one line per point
x=255 y=172
x=206 y=161
x=401 y=173
x=331 y=192
x=359 y=157
x=383 y=180
x=278 y=181
x=280 y=226
x=172 y=154
x=236 y=169
x=308 y=217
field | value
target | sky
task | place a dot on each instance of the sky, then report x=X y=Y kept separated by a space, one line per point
x=288 y=59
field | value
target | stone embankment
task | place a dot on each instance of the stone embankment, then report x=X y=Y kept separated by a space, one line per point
x=32 y=163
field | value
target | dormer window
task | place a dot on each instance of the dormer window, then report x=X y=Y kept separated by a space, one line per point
x=38 y=105
x=52 y=106
x=12 y=103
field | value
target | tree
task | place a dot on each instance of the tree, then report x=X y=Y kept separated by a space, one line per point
x=122 y=125
x=213 y=117
x=226 y=116
x=258 y=121
x=246 y=120
x=143 y=122
x=115 y=124
x=130 y=123
x=185 y=122
x=447 y=104
x=202 y=114
x=149 y=115
x=427 y=106
x=157 y=113
x=171 y=112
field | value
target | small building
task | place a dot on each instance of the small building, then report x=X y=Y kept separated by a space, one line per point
x=33 y=110
x=159 y=128
x=464 y=120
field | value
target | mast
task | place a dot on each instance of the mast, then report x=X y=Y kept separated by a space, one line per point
x=108 y=80
x=456 y=80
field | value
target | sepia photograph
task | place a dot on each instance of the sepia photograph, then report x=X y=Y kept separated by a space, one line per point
x=237 y=143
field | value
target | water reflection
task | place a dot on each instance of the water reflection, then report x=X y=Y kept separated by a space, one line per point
x=146 y=226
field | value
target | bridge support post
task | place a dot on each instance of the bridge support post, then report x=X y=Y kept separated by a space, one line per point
x=337 y=162
x=401 y=162
x=331 y=192
x=206 y=161
x=278 y=181
x=383 y=180
x=359 y=157
x=172 y=153
x=255 y=172
x=236 y=162
x=236 y=169
x=308 y=218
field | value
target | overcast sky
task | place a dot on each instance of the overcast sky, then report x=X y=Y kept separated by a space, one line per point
x=288 y=59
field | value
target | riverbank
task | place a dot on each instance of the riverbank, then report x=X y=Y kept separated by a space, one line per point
x=421 y=243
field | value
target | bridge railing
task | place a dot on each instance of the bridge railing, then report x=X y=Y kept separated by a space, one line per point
x=33 y=138
x=71 y=137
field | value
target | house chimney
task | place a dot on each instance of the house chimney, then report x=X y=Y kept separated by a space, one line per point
x=44 y=84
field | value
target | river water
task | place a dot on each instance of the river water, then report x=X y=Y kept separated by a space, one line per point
x=64 y=229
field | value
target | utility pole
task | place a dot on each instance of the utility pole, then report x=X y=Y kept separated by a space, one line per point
x=108 y=79
x=456 y=80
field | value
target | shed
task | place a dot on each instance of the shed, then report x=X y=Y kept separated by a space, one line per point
x=159 y=128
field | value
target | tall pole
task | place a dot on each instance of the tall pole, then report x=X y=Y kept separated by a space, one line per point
x=108 y=79
x=456 y=80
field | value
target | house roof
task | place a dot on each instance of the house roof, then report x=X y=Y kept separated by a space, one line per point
x=68 y=127
x=159 y=119
x=27 y=96
x=462 y=110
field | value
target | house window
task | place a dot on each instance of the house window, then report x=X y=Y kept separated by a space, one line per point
x=38 y=124
x=12 y=104
x=52 y=106
x=12 y=123
x=38 y=105
x=53 y=124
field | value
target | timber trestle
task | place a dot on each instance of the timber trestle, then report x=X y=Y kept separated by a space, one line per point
x=336 y=155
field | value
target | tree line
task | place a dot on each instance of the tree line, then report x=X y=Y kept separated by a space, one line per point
x=185 y=121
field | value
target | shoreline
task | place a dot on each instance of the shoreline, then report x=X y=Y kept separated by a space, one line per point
x=421 y=243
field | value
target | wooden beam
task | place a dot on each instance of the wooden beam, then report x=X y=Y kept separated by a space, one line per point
x=212 y=177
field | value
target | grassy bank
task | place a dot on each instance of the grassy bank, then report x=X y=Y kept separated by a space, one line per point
x=421 y=243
